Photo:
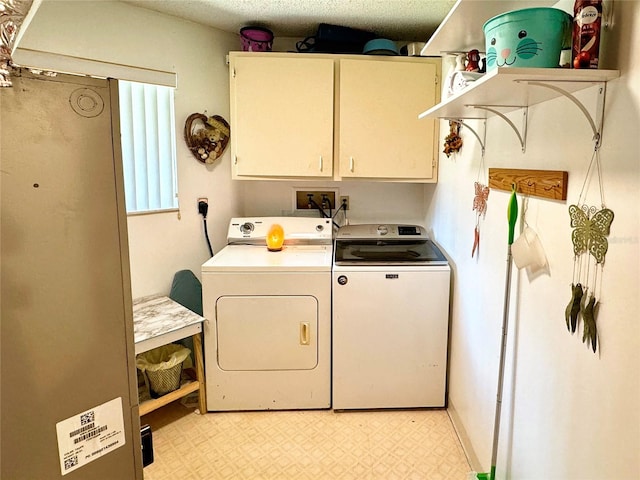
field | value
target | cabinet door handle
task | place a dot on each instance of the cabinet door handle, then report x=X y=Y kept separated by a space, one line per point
x=320 y=163
x=351 y=164
x=304 y=333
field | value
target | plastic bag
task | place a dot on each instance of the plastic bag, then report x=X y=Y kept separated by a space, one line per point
x=162 y=358
x=162 y=367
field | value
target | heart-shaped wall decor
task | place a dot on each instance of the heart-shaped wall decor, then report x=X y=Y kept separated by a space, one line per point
x=206 y=137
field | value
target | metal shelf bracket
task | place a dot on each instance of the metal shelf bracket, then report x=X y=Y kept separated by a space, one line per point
x=596 y=126
x=465 y=125
x=522 y=137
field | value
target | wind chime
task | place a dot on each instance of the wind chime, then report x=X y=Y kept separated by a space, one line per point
x=589 y=237
x=479 y=205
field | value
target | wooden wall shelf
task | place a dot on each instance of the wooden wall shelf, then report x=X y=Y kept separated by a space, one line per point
x=550 y=184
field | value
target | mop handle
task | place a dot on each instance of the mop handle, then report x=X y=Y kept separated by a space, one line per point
x=512 y=215
x=503 y=348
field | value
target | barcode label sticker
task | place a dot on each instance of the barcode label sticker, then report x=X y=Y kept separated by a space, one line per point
x=89 y=435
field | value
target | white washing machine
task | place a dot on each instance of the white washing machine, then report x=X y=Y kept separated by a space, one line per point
x=390 y=318
x=267 y=341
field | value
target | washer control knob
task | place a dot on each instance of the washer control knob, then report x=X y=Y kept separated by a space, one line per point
x=246 y=227
x=342 y=279
x=383 y=230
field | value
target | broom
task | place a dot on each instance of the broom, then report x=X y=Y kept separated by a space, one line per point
x=512 y=215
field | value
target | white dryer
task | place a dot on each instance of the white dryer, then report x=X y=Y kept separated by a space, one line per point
x=268 y=336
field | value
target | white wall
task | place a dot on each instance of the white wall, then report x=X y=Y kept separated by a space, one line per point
x=369 y=202
x=568 y=413
x=160 y=244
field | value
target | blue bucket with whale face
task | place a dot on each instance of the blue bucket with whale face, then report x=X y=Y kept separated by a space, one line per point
x=531 y=37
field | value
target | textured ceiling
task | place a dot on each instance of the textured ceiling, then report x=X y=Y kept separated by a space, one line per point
x=412 y=20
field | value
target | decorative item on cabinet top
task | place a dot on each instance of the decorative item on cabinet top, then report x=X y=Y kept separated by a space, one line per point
x=256 y=39
x=206 y=137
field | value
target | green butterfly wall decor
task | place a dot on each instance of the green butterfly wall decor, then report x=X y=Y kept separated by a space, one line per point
x=589 y=237
x=590 y=229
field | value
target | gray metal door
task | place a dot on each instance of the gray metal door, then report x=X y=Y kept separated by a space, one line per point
x=67 y=329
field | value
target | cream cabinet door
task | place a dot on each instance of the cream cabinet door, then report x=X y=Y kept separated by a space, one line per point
x=281 y=116
x=380 y=135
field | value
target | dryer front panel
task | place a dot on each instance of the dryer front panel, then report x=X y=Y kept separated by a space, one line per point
x=262 y=333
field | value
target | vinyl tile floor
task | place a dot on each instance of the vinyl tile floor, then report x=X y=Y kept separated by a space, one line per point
x=304 y=445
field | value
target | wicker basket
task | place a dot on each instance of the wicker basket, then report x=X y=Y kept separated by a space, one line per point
x=164 y=381
x=162 y=367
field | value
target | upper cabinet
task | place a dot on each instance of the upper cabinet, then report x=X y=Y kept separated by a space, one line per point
x=281 y=116
x=319 y=116
x=380 y=135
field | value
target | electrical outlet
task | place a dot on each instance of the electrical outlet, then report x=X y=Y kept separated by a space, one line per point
x=344 y=200
x=325 y=199
x=203 y=206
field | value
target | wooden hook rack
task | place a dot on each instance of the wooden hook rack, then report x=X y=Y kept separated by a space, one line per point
x=538 y=183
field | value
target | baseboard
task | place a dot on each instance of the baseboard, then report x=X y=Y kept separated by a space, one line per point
x=465 y=441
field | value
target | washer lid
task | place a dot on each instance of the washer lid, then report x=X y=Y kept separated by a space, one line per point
x=257 y=258
x=388 y=252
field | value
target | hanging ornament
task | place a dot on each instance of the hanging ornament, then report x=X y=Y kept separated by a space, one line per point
x=479 y=205
x=206 y=137
x=452 y=142
x=591 y=227
x=573 y=308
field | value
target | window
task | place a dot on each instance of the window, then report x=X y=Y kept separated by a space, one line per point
x=147 y=126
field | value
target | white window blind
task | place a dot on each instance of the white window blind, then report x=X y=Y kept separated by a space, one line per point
x=147 y=126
